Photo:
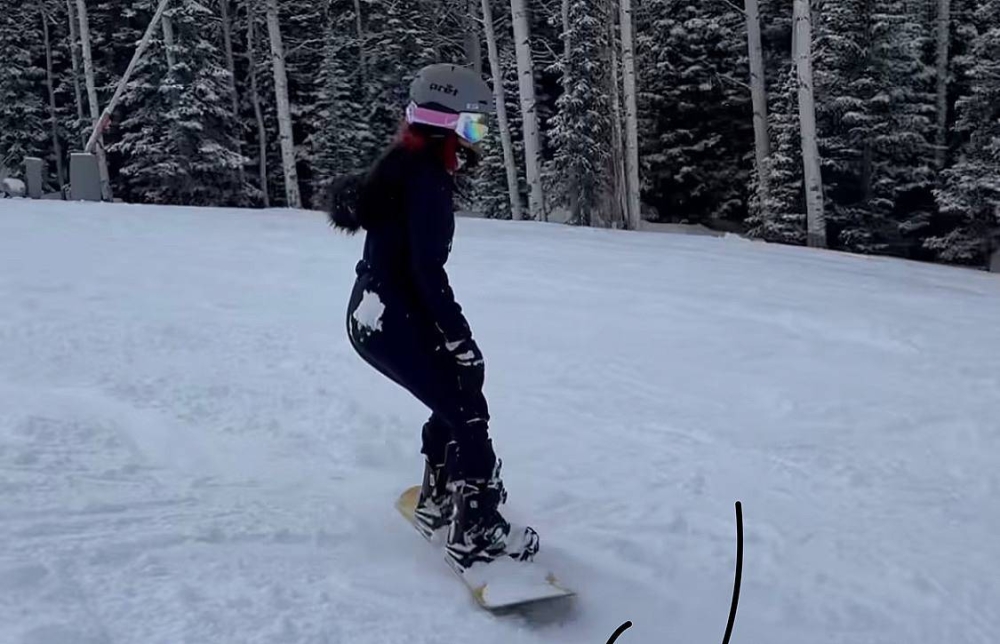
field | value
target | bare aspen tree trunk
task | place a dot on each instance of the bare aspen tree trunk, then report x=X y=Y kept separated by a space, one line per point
x=227 y=39
x=943 y=45
x=473 y=43
x=255 y=99
x=284 y=108
x=758 y=93
x=95 y=110
x=566 y=35
x=631 y=117
x=573 y=194
x=168 y=48
x=532 y=143
x=168 y=42
x=361 y=44
x=816 y=222
x=501 y=104
x=75 y=57
x=620 y=216
x=57 y=146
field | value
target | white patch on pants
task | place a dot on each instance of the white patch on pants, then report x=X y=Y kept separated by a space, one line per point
x=368 y=315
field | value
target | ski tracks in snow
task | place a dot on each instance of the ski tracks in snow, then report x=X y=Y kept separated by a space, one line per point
x=111 y=536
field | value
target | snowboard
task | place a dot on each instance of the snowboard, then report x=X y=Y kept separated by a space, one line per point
x=501 y=584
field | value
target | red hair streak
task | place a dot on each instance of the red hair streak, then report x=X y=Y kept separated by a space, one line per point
x=412 y=139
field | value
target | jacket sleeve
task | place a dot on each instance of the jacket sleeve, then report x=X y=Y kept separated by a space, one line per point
x=431 y=225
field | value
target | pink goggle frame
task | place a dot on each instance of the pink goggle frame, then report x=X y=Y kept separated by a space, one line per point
x=471 y=127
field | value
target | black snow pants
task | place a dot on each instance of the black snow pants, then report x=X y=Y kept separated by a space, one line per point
x=395 y=337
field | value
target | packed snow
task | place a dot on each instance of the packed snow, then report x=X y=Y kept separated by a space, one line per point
x=11 y=187
x=190 y=451
x=369 y=313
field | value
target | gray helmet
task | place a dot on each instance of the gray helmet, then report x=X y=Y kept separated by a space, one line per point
x=452 y=88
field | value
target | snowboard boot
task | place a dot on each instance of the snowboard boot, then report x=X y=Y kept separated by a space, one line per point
x=434 y=506
x=477 y=531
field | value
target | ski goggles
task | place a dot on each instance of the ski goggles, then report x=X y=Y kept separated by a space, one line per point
x=470 y=126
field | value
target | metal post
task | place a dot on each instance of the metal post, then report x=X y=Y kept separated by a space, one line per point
x=84 y=177
x=34 y=175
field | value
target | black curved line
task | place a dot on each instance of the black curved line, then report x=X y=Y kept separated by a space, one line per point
x=621 y=629
x=739 y=572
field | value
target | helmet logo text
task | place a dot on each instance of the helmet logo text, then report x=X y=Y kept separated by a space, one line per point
x=445 y=89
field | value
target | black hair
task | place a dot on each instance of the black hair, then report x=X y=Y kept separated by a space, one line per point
x=343 y=202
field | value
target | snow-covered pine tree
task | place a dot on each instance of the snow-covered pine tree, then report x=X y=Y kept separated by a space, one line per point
x=179 y=141
x=502 y=139
x=449 y=22
x=964 y=32
x=876 y=111
x=72 y=124
x=783 y=219
x=970 y=194
x=22 y=105
x=695 y=110
x=904 y=154
x=302 y=45
x=226 y=27
x=344 y=142
x=115 y=28
x=400 y=40
x=140 y=132
x=489 y=188
x=55 y=152
x=366 y=71
x=545 y=22
x=581 y=130
x=260 y=108
x=302 y=30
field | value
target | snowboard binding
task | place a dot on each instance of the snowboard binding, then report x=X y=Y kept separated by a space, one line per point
x=477 y=532
x=434 y=506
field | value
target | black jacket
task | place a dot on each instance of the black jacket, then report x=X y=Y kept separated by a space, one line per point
x=406 y=206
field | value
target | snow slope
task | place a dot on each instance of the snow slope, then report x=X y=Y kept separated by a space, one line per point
x=191 y=453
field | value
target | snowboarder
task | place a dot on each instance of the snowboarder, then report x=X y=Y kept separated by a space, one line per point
x=403 y=318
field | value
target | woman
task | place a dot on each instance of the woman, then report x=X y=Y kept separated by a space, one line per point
x=403 y=318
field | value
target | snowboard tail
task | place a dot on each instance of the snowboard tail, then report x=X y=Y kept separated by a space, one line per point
x=503 y=583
